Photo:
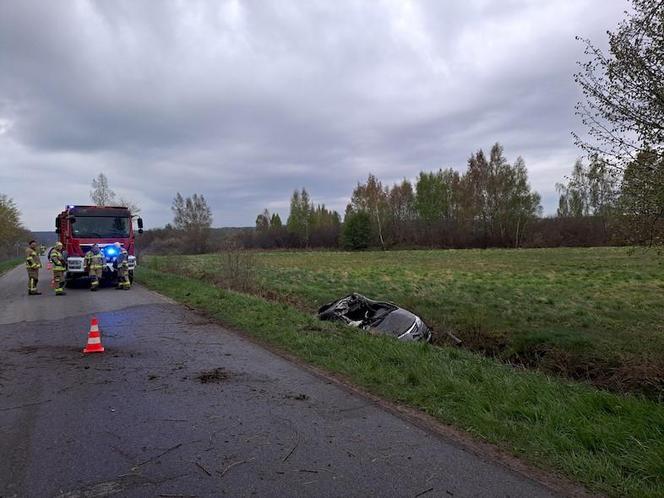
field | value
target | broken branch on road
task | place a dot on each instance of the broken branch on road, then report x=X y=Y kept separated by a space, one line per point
x=203 y=469
x=25 y=405
x=157 y=456
x=234 y=464
x=292 y=450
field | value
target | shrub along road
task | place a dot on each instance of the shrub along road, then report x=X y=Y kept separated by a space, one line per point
x=177 y=405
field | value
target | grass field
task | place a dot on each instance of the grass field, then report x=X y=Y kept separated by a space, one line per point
x=590 y=314
x=609 y=442
x=9 y=264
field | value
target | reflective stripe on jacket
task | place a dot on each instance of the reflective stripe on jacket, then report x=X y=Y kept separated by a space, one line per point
x=58 y=260
x=32 y=261
x=123 y=259
x=94 y=261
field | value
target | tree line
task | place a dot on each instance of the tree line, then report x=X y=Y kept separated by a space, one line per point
x=490 y=204
x=307 y=226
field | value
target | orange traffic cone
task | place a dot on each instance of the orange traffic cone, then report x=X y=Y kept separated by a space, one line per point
x=94 y=338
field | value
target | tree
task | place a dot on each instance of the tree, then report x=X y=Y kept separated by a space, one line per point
x=641 y=201
x=325 y=226
x=101 y=194
x=497 y=198
x=476 y=182
x=521 y=205
x=356 y=230
x=573 y=201
x=193 y=218
x=402 y=214
x=589 y=191
x=437 y=202
x=299 y=219
x=10 y=218
x=263 y=221
x=372 y=198
x=431 y=197
x=602 y=188
x=134 y=209
x=275 y=221
x=11 y=229
x=269 y=232
x=623 y=100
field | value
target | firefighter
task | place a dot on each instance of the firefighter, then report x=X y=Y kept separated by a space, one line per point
x=122 y=265
x=59 y=267
x=32 y=264
x=94 y=262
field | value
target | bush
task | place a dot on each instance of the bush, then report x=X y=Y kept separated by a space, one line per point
x=238 y=270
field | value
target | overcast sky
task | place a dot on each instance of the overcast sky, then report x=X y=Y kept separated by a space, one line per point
x=245 y=101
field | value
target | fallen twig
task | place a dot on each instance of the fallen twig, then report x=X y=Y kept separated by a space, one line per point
x=424 y=492
x=234 y=464
x=24 y=406
x=157 y=456
x=203 y=469
x=130 y=474
x=454 y=338
x=292 y=450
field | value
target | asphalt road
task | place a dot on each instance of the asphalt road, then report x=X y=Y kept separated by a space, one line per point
x=141 y=420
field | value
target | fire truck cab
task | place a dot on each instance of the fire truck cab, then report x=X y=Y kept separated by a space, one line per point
x=80 y=227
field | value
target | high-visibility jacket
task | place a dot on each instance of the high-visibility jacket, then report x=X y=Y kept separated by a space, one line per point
x=123 y=259
x=94 y=261
x=32 y=261
x=58 y=260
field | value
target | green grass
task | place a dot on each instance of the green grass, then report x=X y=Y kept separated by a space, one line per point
x=610 y=443
x=593 y=314
x=9 y=264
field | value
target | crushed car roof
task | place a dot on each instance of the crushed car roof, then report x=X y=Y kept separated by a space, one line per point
x=381 y=316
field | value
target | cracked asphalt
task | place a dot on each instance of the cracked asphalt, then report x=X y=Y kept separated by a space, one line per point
x=179 y=406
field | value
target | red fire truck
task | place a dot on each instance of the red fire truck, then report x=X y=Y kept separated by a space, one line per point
x=80 y=227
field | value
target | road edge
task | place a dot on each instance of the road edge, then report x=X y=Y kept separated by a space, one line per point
x=487 y=452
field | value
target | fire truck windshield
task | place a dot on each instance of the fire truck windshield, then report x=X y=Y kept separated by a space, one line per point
x=101 y=227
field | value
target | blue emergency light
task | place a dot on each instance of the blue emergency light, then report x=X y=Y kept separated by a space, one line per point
x=111 y=251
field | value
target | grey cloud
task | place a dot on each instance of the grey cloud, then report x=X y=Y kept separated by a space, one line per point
x=245 y=101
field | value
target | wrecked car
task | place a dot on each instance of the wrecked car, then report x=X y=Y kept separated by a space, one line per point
x=381 y=317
